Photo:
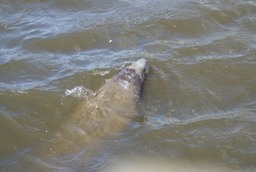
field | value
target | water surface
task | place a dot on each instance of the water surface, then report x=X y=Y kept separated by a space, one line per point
x=199 y=99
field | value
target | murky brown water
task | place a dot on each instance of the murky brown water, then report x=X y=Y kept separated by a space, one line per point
x=199 y=100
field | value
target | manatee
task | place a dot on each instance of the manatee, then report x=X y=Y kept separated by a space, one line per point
x=101 y=116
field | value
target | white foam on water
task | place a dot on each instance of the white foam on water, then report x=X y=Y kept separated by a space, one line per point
x=19 y=91
x=79 y=91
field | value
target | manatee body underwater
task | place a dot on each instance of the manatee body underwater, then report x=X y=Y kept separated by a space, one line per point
x=101 y=116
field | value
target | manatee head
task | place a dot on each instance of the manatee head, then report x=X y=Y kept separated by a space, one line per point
x=132 y=77
x=121 y=93
x=140 y=67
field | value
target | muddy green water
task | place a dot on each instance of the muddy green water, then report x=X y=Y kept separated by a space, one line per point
x=199 y=99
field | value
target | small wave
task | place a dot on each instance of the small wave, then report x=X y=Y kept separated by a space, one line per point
x=19 y=91
x=159 y=122
x=14 y=92
x=101 y=73
x=79 y=91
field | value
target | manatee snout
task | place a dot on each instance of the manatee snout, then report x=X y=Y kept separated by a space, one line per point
x=141 y=67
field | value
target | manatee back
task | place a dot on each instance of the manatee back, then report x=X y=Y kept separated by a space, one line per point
x=115 y=99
